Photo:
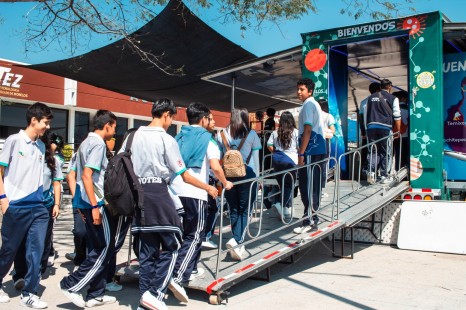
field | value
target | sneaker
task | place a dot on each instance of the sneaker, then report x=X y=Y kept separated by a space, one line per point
x=149 y=301
x=4 y=298
x=113 y=287
x=387 y=180
x=324 y=195
x=50 y=261
x=278 y=207
x=231 y=243
x=178 y=291
x=371 y=178
x=287 y=212
x=19 y=284
x=32 y=301
x=75 y=298
x=302 y=229
x=196 y=274
x=100 y=301
x=70 y=256
x=237 y=253
x=209 y=244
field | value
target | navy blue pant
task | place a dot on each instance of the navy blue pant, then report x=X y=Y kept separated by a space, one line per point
x=378 y=160
x=194 y=219
x=212 y=215
x=305 y=189
x=288 y=179
x=79 y=233
x=240 y=206
x=93 y=270
x=156 y=267
x=29 y=224
x=119 y=227
x=20 y=259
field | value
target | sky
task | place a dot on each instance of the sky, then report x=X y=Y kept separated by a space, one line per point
x=270 y=40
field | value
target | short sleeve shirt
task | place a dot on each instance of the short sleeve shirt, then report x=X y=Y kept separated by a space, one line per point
x=311 y=114
x=48 y=174
x=292 y=151
x=91 y=154
x=155 y=153
x=183 y=189
x=23 y=160
x=252 y=143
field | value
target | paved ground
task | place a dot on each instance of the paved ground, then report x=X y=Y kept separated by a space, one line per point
x=380 y=277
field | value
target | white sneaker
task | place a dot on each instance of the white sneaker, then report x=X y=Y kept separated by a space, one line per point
x=237 y=254
x=4 y=298
x=149 y=301
x=50 y=261
x=178 y=291
x=19 y=284
x=287 y=212
x=387 y=180
x=100 y=301
x=278 y=207
x=32 y=301
x=75 y=298
x=231 y=243
x=371 y=178
x=196 y=274
x=209 y=244
x=113 y=287
x=302 y=229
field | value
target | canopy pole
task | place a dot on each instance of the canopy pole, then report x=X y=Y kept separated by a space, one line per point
x=233 y=88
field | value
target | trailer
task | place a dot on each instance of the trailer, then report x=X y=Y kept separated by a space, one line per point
x=343 y=62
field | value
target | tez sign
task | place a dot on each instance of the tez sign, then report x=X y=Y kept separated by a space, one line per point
x=9 y=79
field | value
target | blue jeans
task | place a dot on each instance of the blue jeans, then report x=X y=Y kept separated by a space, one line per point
x=240 y=206
x=378 y=160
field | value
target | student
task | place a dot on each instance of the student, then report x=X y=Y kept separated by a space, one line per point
x=403 y=143
x=91 y=163
x=156 y=156
x=238 y=197
x=329 y=131
x=52 y=192
x=283 y=143
x=200 y=154
x=312 y=149
x=24 y=214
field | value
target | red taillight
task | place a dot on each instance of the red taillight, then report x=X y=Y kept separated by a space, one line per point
x=417 y=197
x=407 y=197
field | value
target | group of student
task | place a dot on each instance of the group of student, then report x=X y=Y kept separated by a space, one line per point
x=174 y=174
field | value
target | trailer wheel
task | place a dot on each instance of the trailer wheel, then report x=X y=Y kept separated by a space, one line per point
x=215 y=299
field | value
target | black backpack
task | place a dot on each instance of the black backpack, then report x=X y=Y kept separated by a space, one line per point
x=122 y=189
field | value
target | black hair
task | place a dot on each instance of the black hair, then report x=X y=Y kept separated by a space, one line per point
x=259 y=116
x=374 y=87
x=286 y=125
x=271 y=112
x=310 y=85
x=58 y=141
x=323 y=105
x=401 y=94
x=128 y=132
x=385 y=84
x=49 y=155
x=239 y=123
x=102 y=118
x=39 y=111
x=161 y=106
x=196 y=111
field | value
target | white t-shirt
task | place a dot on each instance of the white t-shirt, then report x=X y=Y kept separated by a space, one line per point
x=292 y=151
x=183 y=189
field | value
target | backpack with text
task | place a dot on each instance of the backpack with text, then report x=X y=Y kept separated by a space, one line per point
x=122 y=189
x=233 y=165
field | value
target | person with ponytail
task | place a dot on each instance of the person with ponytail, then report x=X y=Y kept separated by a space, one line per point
x=283 y=143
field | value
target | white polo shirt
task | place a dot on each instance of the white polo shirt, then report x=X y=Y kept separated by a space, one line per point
x=292 y=151
x=23 y=160
x=48 y=174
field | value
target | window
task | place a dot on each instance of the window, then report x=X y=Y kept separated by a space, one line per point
x=121 y=128
x=139 y=122
x=81 y=127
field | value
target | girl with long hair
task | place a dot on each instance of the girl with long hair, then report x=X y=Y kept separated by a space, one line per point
x=238 y=196
x=284 y=144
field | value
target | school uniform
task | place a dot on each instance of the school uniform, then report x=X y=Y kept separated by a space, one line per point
x=194 y=199
x=311 y=114
x=26 y=217
x=156 y=156
x=93 y=270
x=49 y=201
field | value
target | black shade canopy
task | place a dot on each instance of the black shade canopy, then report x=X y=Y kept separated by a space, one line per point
x=185 y=41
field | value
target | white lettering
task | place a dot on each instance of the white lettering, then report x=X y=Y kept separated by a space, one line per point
x=366 y=29
x=6 y=78
x=454 y=66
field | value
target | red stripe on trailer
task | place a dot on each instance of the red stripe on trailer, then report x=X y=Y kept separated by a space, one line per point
x=268 y=256
x=427 y=190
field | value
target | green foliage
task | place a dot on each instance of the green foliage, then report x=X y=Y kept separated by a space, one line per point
x=68 y=151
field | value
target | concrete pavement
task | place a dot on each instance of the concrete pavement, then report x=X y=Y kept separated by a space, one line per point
x=380 y=277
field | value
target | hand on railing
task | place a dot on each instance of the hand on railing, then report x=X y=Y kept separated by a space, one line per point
x=228 y=185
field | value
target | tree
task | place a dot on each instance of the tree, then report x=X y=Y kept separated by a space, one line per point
x=71 y=23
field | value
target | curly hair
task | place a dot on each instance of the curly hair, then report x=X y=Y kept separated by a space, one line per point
x=285 y=130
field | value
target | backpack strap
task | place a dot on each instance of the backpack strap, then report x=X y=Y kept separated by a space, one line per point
x=242 y=142
x=129 y=141
x=225 y=142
